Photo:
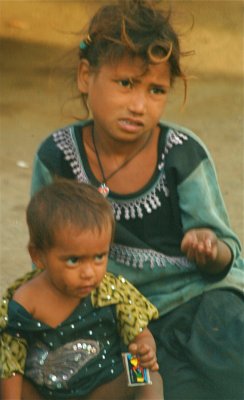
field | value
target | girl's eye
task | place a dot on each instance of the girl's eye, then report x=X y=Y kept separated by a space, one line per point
x=158 y=90
x=127 y=83
x=72 y=261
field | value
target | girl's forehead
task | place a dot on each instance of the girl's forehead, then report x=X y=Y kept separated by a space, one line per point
x=135 y=68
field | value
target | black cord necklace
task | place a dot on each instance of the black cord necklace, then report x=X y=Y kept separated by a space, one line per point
x=103 y=188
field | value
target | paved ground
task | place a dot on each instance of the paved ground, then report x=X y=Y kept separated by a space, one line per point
x=37 y=78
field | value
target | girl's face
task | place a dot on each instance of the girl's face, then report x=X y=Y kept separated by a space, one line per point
x=125 y=100
x=77 y=263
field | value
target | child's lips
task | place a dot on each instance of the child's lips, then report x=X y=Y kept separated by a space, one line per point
x=85 y=289
x=130 y=124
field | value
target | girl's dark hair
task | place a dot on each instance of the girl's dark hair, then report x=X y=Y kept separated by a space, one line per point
x=66 y=203
x=137 y=28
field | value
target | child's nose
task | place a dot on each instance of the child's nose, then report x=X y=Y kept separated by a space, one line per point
x=137 y=102
x=87 y=271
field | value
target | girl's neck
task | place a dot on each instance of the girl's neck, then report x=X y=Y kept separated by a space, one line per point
x=133 y=175
x=109 y=146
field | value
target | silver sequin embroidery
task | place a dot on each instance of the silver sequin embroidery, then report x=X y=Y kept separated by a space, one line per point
x=55 y=368
x=128 y=209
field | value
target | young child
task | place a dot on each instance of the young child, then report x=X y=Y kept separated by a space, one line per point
x=66 y=314
x=172 y=240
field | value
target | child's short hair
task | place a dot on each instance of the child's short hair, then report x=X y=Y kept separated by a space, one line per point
x=66 y=203
x=132 y=27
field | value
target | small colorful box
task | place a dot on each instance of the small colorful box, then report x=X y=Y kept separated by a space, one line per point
x=136 y=374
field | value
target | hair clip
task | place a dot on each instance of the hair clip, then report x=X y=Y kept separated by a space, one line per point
x=85 y=42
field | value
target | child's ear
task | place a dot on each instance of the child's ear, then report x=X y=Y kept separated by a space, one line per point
x=83 y=76
x=36 y=256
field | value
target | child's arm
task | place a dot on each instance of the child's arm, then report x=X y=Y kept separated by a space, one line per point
x=11 y=388
x=202 y=246
x=144 y=346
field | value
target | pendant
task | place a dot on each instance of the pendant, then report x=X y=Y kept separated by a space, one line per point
x=103 y=189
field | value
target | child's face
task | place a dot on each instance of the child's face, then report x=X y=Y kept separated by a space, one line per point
x=125 y=101
x=77 y=263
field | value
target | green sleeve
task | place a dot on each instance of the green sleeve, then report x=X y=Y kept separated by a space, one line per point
x=202 y=205
x=41 y=176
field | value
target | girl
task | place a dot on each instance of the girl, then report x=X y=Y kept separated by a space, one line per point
x=63 y=314
x=172 y=240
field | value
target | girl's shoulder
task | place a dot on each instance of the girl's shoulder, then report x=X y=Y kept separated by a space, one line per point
x=66 y=133
x=181 y=149
x=178 y=134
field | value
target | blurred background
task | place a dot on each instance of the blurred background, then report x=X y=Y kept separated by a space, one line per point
x=38 y=45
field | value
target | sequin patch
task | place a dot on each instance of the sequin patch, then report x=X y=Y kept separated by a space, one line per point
x=66 y=361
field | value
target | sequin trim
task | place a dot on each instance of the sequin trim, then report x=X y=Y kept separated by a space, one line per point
x=65 y=142
x=131 y=209
x=136 y=257
x=128 y=209
x=174 y=138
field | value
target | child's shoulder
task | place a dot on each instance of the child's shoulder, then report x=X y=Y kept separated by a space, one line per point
x=27 y=292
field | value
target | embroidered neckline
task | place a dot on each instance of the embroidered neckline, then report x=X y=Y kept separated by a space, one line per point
x=123 y=208
x=136 y=257
x=66 y=143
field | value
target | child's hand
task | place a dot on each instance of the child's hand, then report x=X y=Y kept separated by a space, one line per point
x=146 y=354
x=200 y=245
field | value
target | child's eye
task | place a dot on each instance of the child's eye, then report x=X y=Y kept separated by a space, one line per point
x=127 y=83
x=99 y=258
x=158 y=90
x=72 y=261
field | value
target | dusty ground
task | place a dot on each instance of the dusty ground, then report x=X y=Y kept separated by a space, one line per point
x=36 y=44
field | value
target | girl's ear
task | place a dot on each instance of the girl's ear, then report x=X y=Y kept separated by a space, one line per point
x=83 y=76
x=36 y=256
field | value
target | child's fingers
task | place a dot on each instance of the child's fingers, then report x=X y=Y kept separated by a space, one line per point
x=153 y=366
x=133 y=348
x=151 y=363
x=146 y=355
x=141 y=349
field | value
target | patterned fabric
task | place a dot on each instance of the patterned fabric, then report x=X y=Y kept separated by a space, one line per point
x=13 y=353
x=12 y=350
x=133 y=310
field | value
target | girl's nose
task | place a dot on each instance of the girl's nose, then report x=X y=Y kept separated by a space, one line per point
x=137 y=102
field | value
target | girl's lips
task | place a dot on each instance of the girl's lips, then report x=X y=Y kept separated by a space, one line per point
x=130 y=125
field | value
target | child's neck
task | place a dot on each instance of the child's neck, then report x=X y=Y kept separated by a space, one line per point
x=53 y=306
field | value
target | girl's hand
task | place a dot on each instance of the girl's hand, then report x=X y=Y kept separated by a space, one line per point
x=200 y=245
x=146 y=354
x=204 y=248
